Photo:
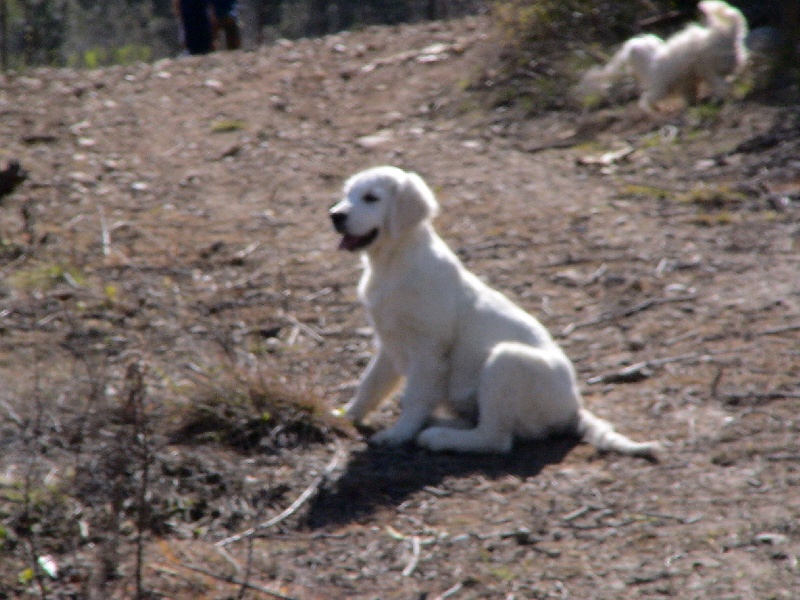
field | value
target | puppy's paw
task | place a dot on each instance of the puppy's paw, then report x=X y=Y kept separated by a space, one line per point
x=432 y=439
x=391 y=437
x=352 y=412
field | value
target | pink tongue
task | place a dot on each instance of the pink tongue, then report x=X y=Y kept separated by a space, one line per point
x=348 y=242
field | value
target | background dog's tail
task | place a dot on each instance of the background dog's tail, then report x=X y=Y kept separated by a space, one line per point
x=600 y=434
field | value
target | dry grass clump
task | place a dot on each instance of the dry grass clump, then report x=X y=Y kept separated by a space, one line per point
x=91 y=476
x=255 y=411
x=713 y=196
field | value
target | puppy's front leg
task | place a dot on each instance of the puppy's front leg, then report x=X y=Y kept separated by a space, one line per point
x=425 y=390
x=378 y=381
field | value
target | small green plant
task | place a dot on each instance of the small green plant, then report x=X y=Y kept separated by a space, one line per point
x=227 y=125
x=724 y=217
x=645 y=191
x=711 y=196
x=705 y=113
x=45 y=276
x=110 y=295
x=94 y=58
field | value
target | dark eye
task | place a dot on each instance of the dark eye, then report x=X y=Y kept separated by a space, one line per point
x=370 y=198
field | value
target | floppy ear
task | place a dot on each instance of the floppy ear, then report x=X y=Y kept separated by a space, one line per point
x=413 y=203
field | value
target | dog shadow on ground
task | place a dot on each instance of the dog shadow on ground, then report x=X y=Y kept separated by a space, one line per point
x=378 y=477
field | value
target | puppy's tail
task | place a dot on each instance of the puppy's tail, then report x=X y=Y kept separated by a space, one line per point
x=600 y=434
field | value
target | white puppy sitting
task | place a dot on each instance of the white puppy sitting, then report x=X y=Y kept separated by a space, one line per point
x=699 y=55
x=457 y=343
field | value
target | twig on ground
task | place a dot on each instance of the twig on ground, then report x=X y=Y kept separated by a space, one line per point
x=579 y=513
x=682 y=520
x=735 y=398
x=307 y=329
x=641 y=370
x=717 y=381
x=232 y=561
x=625 y=312
x=776 y=330
x=105 y=236
x=12 y=413
x=450 y=591
x=248 y=569
x=412 y=564
x=235 y=581
x=784 y=456
x=309 y=493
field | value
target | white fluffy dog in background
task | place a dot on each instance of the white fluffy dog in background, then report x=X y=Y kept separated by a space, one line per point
x=456 y=343
x=699 y=55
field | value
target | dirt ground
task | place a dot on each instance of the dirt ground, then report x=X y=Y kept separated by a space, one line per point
x=174 y=228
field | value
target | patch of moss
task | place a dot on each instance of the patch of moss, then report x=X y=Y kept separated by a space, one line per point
x=645 y=191
x=45 y=276
x=711 y=196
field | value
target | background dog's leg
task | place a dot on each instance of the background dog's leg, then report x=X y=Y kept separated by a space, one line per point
x=379 y=380
x=719 y=86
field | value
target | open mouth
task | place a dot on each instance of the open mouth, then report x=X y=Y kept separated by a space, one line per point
x=354 y=243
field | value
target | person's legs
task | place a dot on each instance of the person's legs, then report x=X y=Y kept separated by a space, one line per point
x=227 y=20
x=196 y=24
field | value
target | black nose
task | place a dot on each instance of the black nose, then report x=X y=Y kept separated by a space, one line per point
x=339 y=219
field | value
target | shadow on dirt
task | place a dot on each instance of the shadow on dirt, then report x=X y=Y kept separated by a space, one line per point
x=377 y=477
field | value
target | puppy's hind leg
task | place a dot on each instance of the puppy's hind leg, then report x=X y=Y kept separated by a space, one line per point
x=484 y=438
x=523 y=391
x=493 y=432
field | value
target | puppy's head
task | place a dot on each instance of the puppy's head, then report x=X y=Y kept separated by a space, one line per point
x=381 y=204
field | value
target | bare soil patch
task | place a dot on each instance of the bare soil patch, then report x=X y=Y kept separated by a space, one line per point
x=174 y=230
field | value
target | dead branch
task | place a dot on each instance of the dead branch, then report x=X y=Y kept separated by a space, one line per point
x=641 y=370
x=625 y=312
x=105 y=236
x=307 y=329
x=736 y=398
x=777 y=330
x=235 y=581
x=309 y=493
x=12 y=415
x=450 y=591
x=412 y=564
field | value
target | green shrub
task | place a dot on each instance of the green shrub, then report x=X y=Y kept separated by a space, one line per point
x=105 y=57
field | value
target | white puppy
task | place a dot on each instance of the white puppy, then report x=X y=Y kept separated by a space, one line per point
x=698 y=55
x=457 y=343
